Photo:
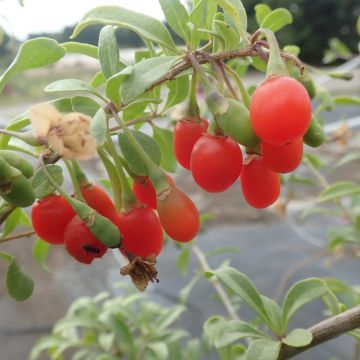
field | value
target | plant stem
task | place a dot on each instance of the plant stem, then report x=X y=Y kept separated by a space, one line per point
x=227 y=82
x=325 y=331
x=244 y=94
x=113 y=177
x=216 y=283
x=74 y=180
x=18 y=236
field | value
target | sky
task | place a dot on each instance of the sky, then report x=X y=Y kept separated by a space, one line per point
x=53 y=15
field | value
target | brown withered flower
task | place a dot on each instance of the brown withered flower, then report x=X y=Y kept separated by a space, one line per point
x=68 y=135
x=141 y=271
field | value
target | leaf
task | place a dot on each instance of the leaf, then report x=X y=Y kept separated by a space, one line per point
x=64 y=104
x=177 y=17
x=202 y=14
x=234 y=330
x=98 y=79
x=113 y=85
x=339 y=189
x=85 y=105
x=314 y=160
x=168 y=317
x=236 y=11
x=144 y=74
x=263 y=349
x=277 y=19
x=159 y=349
x=358 y=25
x=134 y=160
x=81 y=48
x=16 y=218
x=183 y=260
x=108 y=51
x=185 y=292
x=212 y=327
x=41 y=184
x=347 y=158
x=301 y=293
x=347 y=100
x=243 y=287
x=19 y=285
x=40 y=252
x=178 y=91
x=72 y=85
x=223 y=250
x=261 y=11
x=87 y=322
x=145 y=26
x=99 y=127
x=165 y=139
x=341 y=236
x=274 y=314
x=44 y=344
x=229 y=35
x=298 y=338
x=32 y=54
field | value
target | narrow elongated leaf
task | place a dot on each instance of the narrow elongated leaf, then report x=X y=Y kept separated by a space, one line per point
x=81 y=48
x=72 y=85
x=178 y=91
x=134 y=160
x=349 y=157
x=168 y=317
x=230 y=37
x=99 y=126
x=177 y=17
x=277 y=19
x=19 y=285
x=34 y=53
x=146 y=26
x=261 y=11
x=263 y=349
x=235 y=330
x=347 y=100
x=16 y=218
x=40 y=252
x=108 y=51
x=41 y=184
x=144 y=74
x=301 y=293
x=243 y=287
x=85 y=105
x=165 y=139
x=44 y=344
x=202 y=14
x=183 y=261
x=298 y=338
x=274 y=314
x=338 y=190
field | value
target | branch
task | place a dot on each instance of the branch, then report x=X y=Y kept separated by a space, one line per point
x=18 y=236
x=325 y=331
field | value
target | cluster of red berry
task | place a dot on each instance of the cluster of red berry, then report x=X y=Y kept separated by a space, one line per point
x=280 y=114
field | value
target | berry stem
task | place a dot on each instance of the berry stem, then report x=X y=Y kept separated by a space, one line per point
x=74 y=180
x=113 y=177
x=275 y=66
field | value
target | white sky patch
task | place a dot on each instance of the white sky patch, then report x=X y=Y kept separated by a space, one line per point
x=53 y=15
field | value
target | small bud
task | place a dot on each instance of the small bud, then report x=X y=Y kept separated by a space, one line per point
x=68 y=135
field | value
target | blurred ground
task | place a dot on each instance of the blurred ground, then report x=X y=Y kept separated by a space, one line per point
x=268 y=246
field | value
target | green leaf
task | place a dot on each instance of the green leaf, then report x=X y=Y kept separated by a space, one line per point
x=113 y=85
x=347 y=100
x=298 y=338
x=314 y=160
x=19 y=285
x=347 y=158
x=341 y=236
x=235 y=330
x=41 y=184
x=81 y=48
x=64 y=104
x=165 y=139
x=243 y=287
x=72 y=85
x=223 y=250
x=32 y=54
x=108 y=51
x=99 y=127
x=145 y=74
x=98 y=79
x=133 y=158
x=263 y=349
x=178 y=91
x=277 y=19
x=274 y=314
x=229 y=35
x=236 y=11
x=261 y=11
x=137 y=108
x=339 y=189
x=185 y=292
x=85 y=105
x=301 y=293
x=183 y=260
x=159 y=349
x=212 y=327
x=87 y=322
x=292 y=49
x=168 y=317
x=177 y=17
x=202 y=14
x=146 y=26
x=40 y=252
x=44 y=344
x=16 y=218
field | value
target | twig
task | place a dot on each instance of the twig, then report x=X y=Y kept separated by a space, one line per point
x=18 y=236
x=325 y=331
x=216 y=283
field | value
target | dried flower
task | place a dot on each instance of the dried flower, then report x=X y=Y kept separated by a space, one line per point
x=68 y=135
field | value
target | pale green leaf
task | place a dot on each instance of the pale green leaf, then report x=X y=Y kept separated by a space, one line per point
x=301 y=293
x=274 y=314
x=108 y=51
x=159 y=349
x=34 y=53
x=85 y=105
x=183 y=260
x=81 y=48
x=178 y=91
x=165 y=139
x=145 y=74
x=16 y=218
x=146 y=26
x=113 y=85
x=41 y=184
x=99 y=127
x=277 y=19
x=347 y=158
x=339 y=189
x=230 y=37
x=347 y=100
x=263 y=349
x=261 y=11
x=298 y=338
x=40 y=252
